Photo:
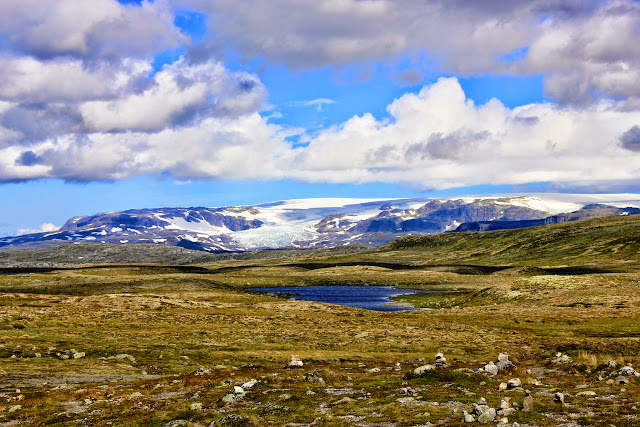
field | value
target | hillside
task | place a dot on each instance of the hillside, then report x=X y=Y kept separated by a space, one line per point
x=599 y=240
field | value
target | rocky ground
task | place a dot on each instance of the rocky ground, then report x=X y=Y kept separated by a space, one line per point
x=555 y=342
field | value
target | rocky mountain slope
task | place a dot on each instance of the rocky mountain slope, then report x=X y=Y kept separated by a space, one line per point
x=308 y=223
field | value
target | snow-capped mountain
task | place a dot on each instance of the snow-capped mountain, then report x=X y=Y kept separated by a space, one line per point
x=327 y=222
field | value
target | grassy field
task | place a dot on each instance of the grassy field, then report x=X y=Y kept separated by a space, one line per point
x=156 y=344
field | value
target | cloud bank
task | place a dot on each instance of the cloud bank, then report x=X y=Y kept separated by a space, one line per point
x=81 y=98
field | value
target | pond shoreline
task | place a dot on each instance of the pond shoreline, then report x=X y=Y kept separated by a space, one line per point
x=376 y=298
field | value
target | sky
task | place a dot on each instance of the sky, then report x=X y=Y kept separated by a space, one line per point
x=111 y=105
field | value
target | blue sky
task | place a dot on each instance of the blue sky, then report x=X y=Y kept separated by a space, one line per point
x=207 y=103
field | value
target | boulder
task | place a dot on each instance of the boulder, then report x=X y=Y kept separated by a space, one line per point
x=295 y=362
x=420 y=370
x=629 y=372
x=487 y=416
x=491 y=368
x=503 y=363
x=513 y=383
x=559 y=398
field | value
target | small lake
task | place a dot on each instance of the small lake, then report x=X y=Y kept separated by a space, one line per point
x=367 y=297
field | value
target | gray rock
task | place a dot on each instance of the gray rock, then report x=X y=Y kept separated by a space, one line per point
x=249 y=384
x=506 y=412
x=232 y=398
x=345 y=399
x=195 y=406
x=487 y=416
x=423 y=369
x=513 y=383
x=176 y=423
x=79 y=355
x=468 y=418
x=441 y=360
x=562 y=358
x=611 y=364
x=232 y=420
x=491 y=368
x=295 y=362
x=559 y=398
x=629 y=372
x=505 y=366
x=622 y=380
x=124 y=356
x=503 y=363
x=312 y=377
x=505 y=403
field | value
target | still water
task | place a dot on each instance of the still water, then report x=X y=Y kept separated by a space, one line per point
x=368 y=297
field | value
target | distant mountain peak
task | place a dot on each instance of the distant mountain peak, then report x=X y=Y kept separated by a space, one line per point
x=325 y=222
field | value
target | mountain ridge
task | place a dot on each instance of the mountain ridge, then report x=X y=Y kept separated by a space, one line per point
x=309 y=223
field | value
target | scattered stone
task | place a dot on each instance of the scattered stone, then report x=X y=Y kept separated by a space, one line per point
x=506 y=412
x=487 y=416
x=232 y=420
x=586 y=393
x=195 y=406
x=408 y=399
x=124 y=356
x=176 y=423
x=309 y=393
x=491 y=368
x=408 y=391
x=63 y=356
x=397 y=367
x=629 y=372
x=441 y=360
x=611 y=364
x=503 y=363
x=312 y=377
x=345 y=399
x=420 y=370
x=559 y=398
x=135 y=394
x=373 y=370
x=249 y=384
x=361 y=335
x=468 y=418
x=620 y=380
x=534 y=381
x=480 y=406
x=513 y=383
x=284 y=396
x=295 y=362
x=502 y=387
x=527 y=404
x=561 y=358
x=232 y=398
x=505 y=403
x=79 y=355
x=201 y=371
x=238 y=390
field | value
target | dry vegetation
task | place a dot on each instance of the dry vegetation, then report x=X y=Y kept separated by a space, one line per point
x=170 y=323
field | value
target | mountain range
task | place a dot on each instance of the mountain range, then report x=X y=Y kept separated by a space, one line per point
x=304 y=223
